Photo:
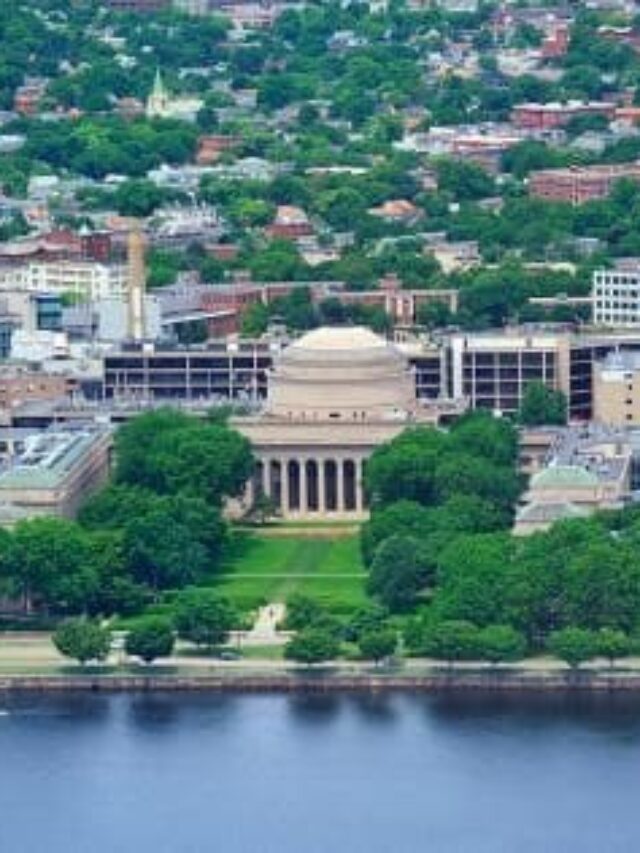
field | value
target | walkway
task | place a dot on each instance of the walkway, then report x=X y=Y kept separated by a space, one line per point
x=265 y=629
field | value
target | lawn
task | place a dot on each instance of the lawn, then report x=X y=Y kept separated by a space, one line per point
x=262 y=569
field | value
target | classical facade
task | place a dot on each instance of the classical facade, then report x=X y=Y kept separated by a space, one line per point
x=334 y=395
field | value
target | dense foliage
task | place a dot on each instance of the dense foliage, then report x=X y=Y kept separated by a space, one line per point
x=158 y=526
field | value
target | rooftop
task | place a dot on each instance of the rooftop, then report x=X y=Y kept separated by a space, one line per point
x=48 y=458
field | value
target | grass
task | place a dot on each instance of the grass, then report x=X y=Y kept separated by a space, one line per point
x=260 y=569
x=263 y=652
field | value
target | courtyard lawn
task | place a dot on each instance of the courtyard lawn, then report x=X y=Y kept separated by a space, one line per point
x=260 y=569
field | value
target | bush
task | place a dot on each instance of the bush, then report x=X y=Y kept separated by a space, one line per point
x=501 y=643
x=573 y=645
x=203 y=618
x=452 y=640
x=82 y=640
x=612 y=644
x=150 y=639
x=312 y=645
x=303 y=612
x=378 y=644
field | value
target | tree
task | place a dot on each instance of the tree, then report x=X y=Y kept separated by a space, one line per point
x=303 y=612
x=161 y=552
x=573 y=645
x=378 y=644
x=51 y=562
x=401 y=518
x=134 y=441
x=435 y=315
x=203 y=618
x=404 y=469
x=171 y=453
x=312 y=645
x=501 y=644
x=464 y=180
x=138 y=198
x=612 y=644
x=463 y=474
x=150 y=638
x=542 y=406
x=82 y=640
x=255 y=320
x=452 y=640
x=482 y=434
x=210 y=461
x=398 y=572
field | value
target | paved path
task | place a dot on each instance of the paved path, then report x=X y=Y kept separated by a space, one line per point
x=265 y=629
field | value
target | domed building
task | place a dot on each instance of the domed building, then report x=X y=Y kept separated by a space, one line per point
x=341 y=373
x=335 y=394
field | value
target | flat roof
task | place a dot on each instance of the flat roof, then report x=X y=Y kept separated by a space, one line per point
x=48 y=457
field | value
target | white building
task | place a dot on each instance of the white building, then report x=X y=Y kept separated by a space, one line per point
x=84 y=279
x=616 y=296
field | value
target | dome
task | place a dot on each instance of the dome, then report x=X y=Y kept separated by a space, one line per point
x=336 y=338
x=341 y=372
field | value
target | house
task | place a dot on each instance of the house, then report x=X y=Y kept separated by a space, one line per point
x=290 y=223
x=397 y=210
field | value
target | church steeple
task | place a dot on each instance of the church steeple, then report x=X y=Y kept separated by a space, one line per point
x=159 y=98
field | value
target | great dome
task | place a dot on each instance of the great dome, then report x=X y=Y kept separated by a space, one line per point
x=341 y=373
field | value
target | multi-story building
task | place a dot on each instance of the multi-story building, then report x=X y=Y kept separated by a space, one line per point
x=579 y=184
x=616 y=389
x=616 y=295
x=552 y=115
x=225 y=370
x=85 y=279
x=492 y=369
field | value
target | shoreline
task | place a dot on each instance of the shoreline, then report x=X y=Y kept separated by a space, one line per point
x=327 y=682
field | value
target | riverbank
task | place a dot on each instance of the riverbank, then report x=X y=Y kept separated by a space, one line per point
x=327 y=680
x=30 y=662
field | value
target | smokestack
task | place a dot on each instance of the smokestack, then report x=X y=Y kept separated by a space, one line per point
x=136 y=283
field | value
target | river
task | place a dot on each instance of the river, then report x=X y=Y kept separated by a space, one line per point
x=319 y=774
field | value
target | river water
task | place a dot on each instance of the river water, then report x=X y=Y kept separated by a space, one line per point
x=319 y=774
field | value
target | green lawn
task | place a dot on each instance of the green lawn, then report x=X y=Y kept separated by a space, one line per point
x=261 y=569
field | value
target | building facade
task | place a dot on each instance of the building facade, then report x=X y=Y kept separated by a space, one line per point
x=579 y=184
x=335 y=395
x=616 y=296
x=54 y=473
x=85 y=279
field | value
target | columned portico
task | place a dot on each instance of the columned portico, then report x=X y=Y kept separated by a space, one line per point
x=301 y=486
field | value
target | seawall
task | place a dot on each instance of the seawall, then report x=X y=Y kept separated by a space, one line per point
x=326 y=682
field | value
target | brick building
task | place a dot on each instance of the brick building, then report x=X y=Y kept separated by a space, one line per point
x=580 y=184
x=552 y=115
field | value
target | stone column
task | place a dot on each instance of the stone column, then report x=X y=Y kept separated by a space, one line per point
x=249 y=493
x=322 y=488
x=284 y=486
x=340 y=485
x=359 y=489
x=266 y=477
x=304 y=501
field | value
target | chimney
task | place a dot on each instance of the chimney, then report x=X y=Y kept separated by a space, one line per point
x=136 y=284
